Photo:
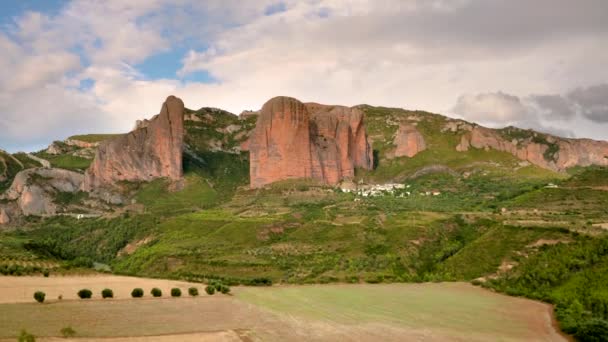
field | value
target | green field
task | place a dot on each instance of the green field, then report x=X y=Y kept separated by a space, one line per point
x=389 y=312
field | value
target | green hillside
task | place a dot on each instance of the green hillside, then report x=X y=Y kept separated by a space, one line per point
x=480 y=216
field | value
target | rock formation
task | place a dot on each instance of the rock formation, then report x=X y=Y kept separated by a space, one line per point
x=546 y=151
x=408 y=141
x=33 y=191
x=151 y=151
x=296 y=140
x=4 y=218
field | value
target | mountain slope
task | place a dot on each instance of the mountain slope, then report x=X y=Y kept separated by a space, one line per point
x=440 y=204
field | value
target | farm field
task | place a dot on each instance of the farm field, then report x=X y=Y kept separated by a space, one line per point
x=389 y=312
x=21 y=289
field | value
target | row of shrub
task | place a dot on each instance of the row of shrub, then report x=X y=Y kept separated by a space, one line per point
x=39 y=296
x=18 y=270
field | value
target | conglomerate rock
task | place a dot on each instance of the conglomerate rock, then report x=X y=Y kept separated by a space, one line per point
x=153 y=150
x=297 y=140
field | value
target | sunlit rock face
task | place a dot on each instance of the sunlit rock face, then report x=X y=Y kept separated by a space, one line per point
x=297 y=140
x=150 y=151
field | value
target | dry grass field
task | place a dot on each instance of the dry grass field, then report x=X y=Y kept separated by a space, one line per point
x=387 y=312
x=21 y=289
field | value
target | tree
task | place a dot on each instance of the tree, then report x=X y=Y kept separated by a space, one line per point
x=175 y=292
x=210 y=289
x=193 y=291
x=156 y=292
x=107 y=293
x=39 y=296
x=593 y=330
x=85 y=294
x=137 y=293
x=225 y=289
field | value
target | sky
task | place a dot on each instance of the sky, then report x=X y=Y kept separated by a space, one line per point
x=76 y=67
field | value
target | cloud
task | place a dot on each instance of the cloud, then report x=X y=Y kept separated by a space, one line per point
x=582 y=108
x=491 y=108
x=553 y=106
x=418 y=54
x=592 y=102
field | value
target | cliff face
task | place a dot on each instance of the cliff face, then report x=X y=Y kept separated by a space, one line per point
x=546 y=151
x=33 y=192
x=296 y=140
x=150 y=151
x=408 y=141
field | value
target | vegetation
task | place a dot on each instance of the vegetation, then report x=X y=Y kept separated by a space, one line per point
x=94 y=138
x=210 y=289
x=495 y=222
x=193 y=291
x=156 y=292
x=9 y=167
x=39 y=296
x=68 y=332
x=592 y=330
x=85 y=294
x=107 y=293
x=571 y=275
x=24 y=336
x=66 y=161
x=137 y=293
x=176 y=292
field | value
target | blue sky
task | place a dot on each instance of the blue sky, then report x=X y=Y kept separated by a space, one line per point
x=72 y=67
x=13 y=9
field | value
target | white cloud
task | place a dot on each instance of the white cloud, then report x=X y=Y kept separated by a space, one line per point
x=415 y=54
x=491 y=108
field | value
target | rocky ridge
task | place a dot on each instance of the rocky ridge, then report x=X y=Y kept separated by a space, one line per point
x=547 y=151
x=408 y=142
x=34 y=192
x=150 y=151
x=296 y=140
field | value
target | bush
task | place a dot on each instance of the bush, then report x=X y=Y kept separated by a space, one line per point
x=39 y=296
x=210 y=289
x=68 y=332
x=193 y=291
x=593 y=330
x=137 y=293
x=46 y=273
x=219 y=287
x=476 y=282
x=225 y=289
x=83 y=262
x=156 y=292
x=85 y=294
x=26 y=337
x=107 y=293
x=175 y=292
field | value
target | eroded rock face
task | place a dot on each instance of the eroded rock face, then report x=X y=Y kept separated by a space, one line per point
x=152 y=150
x=34 y=190
x=4 y=218
x=280 y=144
x=408 y=141
x=296 y=140
x=568 y=152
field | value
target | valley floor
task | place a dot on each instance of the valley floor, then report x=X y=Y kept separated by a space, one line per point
x=388 y=312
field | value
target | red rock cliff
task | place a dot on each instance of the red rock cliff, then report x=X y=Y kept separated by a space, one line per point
x=566 y=152
x=296 y=140
x=151 y=151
